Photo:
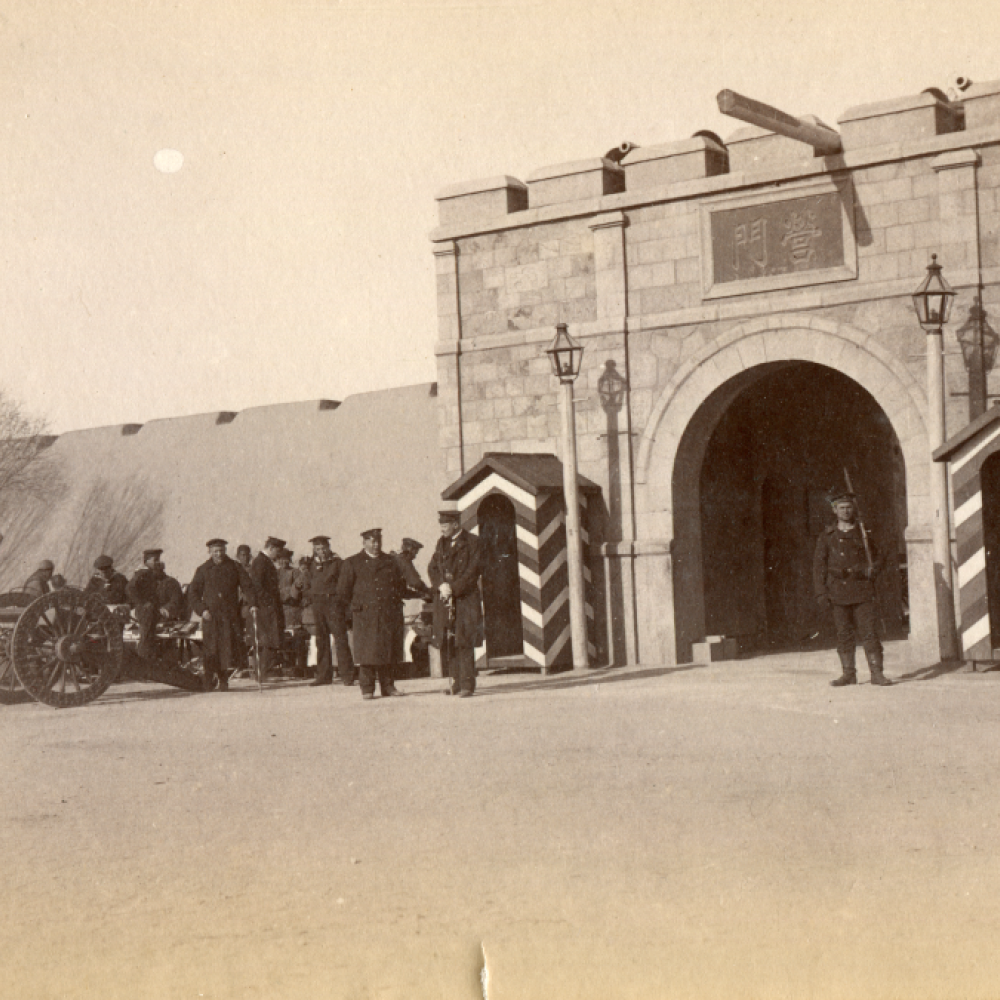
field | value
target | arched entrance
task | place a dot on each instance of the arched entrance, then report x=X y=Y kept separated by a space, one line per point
x=668 y=554
x=497 y=519
x=776 y=448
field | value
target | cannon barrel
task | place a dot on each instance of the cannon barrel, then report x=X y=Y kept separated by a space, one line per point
x=823 y=140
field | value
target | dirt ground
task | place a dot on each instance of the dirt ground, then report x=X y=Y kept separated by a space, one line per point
x=737 y=830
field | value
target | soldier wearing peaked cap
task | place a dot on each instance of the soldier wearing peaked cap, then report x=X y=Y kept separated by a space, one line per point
x=214 y=594
x=107 y=582
x=415 y=587
x=144 y=595
x=320 y=594
x=845 y=565
x=455 y=569
x=270 y=611
x=372 y=585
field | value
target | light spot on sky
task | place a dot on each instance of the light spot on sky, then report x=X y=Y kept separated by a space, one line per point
x=168 y=161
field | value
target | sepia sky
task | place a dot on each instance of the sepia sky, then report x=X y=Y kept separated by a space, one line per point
x=288 y=256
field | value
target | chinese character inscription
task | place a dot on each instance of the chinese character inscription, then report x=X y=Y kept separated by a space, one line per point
x=778 y=237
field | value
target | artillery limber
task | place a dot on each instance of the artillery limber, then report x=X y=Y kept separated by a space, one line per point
x=67 y=647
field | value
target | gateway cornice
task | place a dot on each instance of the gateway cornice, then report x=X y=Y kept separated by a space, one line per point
x=725 y=183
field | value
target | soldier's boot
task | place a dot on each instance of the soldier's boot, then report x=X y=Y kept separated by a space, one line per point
x=874 y=657
x=849 y=674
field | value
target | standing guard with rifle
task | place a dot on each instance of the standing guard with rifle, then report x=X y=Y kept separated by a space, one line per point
x=454 y=570
x=845 y=565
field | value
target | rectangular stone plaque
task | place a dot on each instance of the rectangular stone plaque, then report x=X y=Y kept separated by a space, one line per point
x=783 y=237
x=778 y=239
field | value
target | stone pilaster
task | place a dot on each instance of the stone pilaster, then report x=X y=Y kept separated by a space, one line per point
x=449 y=362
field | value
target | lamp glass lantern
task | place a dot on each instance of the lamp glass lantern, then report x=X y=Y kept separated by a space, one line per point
x=566 y=355
x=932 y=300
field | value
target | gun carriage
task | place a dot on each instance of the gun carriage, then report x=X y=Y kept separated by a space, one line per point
x=67 y=647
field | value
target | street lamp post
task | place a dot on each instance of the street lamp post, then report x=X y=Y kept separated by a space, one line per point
x=932 y=302
x=566 y=355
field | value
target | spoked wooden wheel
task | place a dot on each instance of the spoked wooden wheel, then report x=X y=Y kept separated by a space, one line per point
x=11 y=605
x=66 y=648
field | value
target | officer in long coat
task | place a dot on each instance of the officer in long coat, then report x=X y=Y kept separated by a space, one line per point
x=845 y=565
x=372 y=585
x=454 y=570
x=143 y=593
x=107 y=582
x=214 y=594
x=270 y=611
x=320 y=594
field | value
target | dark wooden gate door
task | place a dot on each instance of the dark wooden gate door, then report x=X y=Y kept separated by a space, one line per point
x=501 y=583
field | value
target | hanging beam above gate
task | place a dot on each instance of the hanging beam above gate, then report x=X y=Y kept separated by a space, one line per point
x=823 y=140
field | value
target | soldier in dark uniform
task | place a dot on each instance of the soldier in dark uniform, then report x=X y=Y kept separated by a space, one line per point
x=372 y=585
x=143 y=594
x=170 y=594
x=270 y=612
x=454 y=570
x=214 y=594
x=415 y=587
x=39 y=582
x=328 y=613
x=296 y=645
x=845 y=565
x=107 y=582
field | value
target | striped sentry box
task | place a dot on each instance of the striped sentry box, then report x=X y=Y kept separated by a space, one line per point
x=533 y=484
x=966 y=453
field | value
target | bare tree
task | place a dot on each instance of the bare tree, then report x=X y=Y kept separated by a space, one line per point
x=25 y=476
x=31 y=484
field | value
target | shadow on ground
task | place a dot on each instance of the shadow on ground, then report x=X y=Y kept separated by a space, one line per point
x=604 y=675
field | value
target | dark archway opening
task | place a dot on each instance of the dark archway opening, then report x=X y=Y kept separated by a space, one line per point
x=774 y=453
x=497 y=519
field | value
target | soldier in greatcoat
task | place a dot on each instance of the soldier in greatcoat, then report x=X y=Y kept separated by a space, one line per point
x=320 y=582
x=372 y=585
x=107 y=582
x=143 y=593
x=845 y=565
x=270 y=611
x=214 y=594
x=454 y=570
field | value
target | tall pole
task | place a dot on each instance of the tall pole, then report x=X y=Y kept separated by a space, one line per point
x=941 y=524
x=574 y=550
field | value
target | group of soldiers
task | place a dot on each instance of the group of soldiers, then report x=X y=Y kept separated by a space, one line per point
x=365 y=592
x=256 y=602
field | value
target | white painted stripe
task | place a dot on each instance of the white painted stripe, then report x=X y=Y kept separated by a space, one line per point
x=529 y=538
x=532 y=615
x=590 y=611
x=586 y=573
x=551 y=528
x=556 y=648
x=963 y=460
x=556 y=605
x=505 y=486
x=976 y=633
x=553 y=566
x=967 y=509
x=529 y=576
x=534 y=654
x=973 y=566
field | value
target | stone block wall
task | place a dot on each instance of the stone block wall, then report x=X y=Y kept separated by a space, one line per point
x=631 y=275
